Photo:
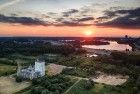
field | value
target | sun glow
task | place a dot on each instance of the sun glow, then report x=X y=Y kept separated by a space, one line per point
x=88 y=32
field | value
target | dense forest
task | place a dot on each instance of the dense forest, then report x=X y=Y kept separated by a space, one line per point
x=36 y=48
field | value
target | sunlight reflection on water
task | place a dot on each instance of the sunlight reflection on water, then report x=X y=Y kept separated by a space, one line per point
x=112 y=46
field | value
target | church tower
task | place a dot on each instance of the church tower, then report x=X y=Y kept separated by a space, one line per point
x=40 y=66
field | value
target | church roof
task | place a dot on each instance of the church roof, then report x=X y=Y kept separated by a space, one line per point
x=40 y=59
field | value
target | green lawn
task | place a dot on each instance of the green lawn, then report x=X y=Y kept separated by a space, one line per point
x=17 y=58
x=7 y=69
x=75 y=72
x=98 y=89
x=20 y=56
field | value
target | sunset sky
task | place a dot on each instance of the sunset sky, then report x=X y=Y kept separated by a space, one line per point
x=95 y=18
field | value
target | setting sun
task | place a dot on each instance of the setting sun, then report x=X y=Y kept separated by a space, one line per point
x=88 y=32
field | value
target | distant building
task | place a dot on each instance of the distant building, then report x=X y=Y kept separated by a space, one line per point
x=57 y=43
x=32 y=71
x=125 y=39
x=126 y=36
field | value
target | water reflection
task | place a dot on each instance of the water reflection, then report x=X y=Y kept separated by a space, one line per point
x=112 y=46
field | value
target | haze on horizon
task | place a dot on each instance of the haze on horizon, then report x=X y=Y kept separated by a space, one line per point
x=70 y=18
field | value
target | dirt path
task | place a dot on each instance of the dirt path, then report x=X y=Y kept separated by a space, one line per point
x=9 y=86
x=110 y=79
x=53 y=69
x=79 y=79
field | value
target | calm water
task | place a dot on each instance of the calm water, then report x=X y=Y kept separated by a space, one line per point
x=112 y=46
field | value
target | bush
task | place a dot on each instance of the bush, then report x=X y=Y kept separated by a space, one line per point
x=89 y=84
x=138 y=85
x=119 y=55
x=19 y=79
x=37 y=90
x=135 y=90
x=36 y=81
x=45 y=91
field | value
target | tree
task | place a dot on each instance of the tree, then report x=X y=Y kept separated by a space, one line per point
x=56 y=92
x=45 y=91
x=89 y=84
x=91 y=70
x=19 y=79
x=36 y=81
x=135 y=90
x=37 y=90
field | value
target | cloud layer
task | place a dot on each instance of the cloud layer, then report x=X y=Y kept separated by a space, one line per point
x=12 y=2
x=117 y=17
x=21 y=20
x=121 y=19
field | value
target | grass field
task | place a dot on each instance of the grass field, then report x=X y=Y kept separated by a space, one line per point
x=19 y=56
x=7 y=69
x=97 y=89
x=13 y=59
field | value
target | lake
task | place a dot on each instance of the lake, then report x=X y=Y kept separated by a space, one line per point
x=112 y=46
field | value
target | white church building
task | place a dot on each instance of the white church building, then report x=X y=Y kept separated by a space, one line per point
x=38 y=70
x=40 y=66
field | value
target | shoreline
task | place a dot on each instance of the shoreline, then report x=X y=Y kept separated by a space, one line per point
x=98 y=51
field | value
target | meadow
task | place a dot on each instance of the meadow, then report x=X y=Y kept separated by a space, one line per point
x=98 y=88
x=7 y=69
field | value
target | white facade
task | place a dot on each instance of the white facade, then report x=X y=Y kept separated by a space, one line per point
x=40 y=67
x=32 y=71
